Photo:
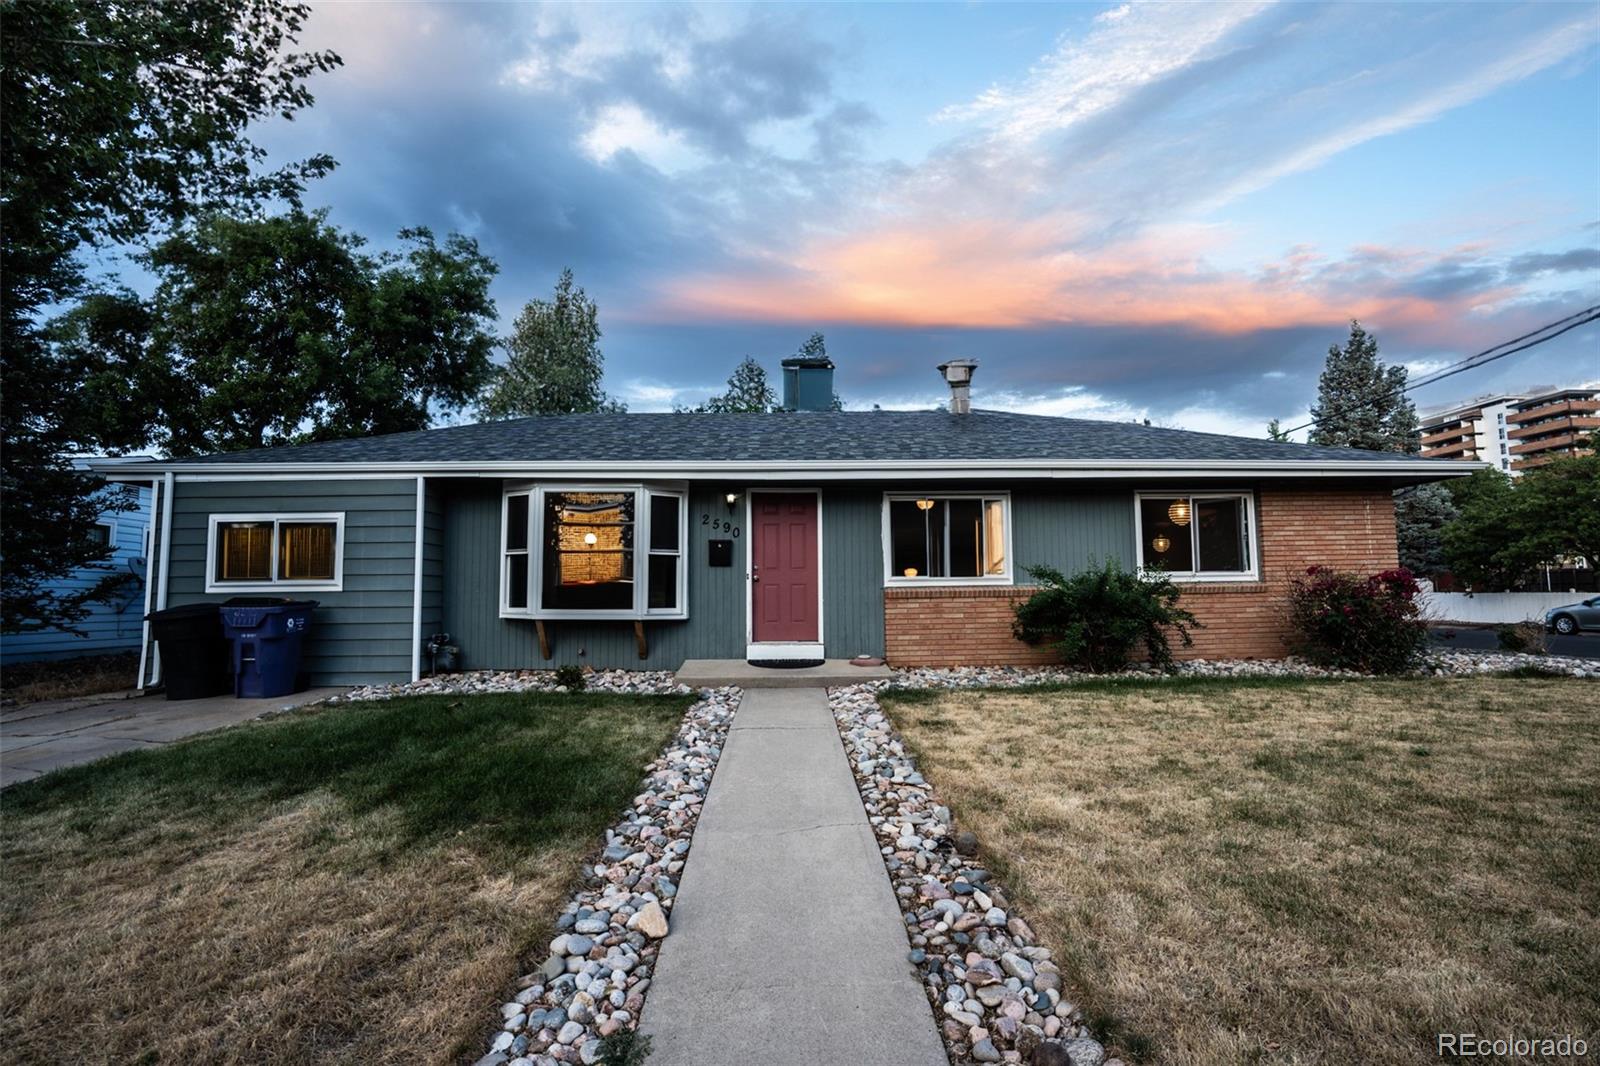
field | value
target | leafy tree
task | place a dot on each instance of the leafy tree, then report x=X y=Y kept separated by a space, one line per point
x=1275 y=431
x=1558 y=508
x=748 y=392
x=1361 y=403
x=1097 y=618
x=116 y=120
x=1420 y=515
x=1483 y=545
x=553 y=361
x=280 y=330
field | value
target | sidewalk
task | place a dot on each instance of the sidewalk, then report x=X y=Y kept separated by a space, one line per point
x=787 y=945
x=38 y=737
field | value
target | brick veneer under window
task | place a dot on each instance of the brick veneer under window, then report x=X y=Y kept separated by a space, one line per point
x=1348 y=529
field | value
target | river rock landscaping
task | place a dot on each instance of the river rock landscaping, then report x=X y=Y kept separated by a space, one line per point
x=1435 y=664
x=594 y=981
x=477 y=682
x=995 y=991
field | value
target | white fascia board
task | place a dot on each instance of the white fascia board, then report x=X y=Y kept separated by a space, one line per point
x=920 y=470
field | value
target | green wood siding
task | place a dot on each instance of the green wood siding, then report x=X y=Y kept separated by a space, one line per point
x=360 y=634
x=1070 y=529
x=714 y=629
x=852 y=572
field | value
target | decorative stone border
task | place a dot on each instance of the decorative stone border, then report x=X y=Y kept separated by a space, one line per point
x=995 y=991
x=476 y=682
x=594 y=981
x=1436 y=664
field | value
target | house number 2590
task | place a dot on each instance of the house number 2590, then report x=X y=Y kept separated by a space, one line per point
x=719 y=525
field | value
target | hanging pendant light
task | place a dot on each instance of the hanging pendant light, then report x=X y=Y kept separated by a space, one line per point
x=1179 y=512
x=925 y=505
x=1161 y=544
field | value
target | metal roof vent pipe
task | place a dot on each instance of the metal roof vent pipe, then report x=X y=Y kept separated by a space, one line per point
x=958 y=375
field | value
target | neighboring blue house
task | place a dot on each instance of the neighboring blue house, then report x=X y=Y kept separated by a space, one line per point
x=114 y=625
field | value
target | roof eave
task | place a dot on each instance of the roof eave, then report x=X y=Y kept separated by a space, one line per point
x=855 y=470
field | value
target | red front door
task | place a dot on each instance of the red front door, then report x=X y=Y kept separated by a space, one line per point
x=783 y=569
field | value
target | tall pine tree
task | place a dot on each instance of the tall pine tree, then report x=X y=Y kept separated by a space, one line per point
x=1361 y=403
x=748 y=392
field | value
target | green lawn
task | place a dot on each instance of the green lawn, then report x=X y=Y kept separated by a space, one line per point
x=355 y=883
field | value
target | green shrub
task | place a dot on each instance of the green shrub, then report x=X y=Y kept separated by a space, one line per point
x=572 y=677
x=1371 y=624
x=1098 y=617
x=625 y=1047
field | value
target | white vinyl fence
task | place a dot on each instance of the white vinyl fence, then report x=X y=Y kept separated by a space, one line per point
x=1494 y=607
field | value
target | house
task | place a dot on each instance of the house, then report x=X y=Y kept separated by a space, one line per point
x=641 y=540
x=112 y=625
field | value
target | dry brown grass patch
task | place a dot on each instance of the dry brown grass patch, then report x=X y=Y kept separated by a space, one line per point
x=1294 y=873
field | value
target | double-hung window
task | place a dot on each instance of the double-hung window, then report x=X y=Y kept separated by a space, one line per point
x=1198 y=536
x=274 y=552
x=947 y=539
x=593 y=551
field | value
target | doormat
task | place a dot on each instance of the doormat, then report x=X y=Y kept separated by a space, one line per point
x=784 y=664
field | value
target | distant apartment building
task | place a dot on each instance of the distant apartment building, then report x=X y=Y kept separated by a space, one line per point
x=1476 y=430
x=1552 y=424
x=1514 y=432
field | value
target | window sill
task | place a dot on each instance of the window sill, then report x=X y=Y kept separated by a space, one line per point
x=1213 y=579
x=945 y=582
x=274 y=586
x=596 y=616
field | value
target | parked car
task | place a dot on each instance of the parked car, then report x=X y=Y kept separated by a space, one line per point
x=1573 y=617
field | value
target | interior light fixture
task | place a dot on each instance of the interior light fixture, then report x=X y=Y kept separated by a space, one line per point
x=1161 y=544
x=590 y=539
x=911 y=571
x=1179 y=512
x=925 y=505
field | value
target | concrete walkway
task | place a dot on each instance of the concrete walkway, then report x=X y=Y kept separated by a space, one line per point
x=787 y=945
x=38 y=737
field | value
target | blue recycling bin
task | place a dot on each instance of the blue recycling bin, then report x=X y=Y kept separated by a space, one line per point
x=267 y=636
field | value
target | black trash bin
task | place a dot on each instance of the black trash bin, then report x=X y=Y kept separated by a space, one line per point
x=267 y=634
x=196 y=658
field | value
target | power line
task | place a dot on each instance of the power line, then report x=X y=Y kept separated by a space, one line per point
x=1489 y=355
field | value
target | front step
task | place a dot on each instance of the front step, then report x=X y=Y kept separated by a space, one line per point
x=718 y=673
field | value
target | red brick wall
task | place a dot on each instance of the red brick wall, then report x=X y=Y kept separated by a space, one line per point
x=1348 y=529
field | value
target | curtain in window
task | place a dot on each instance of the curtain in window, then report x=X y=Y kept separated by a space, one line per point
x=244 y=551
x=306 y=551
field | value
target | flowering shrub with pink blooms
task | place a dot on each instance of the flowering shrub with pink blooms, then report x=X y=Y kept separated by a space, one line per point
x=1370 y=624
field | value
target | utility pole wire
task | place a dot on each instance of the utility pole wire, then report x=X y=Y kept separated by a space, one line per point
x=1489 y=355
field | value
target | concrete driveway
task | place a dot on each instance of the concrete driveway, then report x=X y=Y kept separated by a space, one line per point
x=38 y=737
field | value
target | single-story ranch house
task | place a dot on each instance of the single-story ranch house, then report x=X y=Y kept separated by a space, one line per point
x=641 y=540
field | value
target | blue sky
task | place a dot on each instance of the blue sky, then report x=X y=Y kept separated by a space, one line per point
x=1163 y=210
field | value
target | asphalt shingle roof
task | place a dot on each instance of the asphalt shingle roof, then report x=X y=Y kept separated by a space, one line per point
x=846 y=436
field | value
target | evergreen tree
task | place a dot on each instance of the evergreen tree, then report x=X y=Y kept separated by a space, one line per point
x=1361 y=403
x=748 y=391
x=1275 y=431
x=1420 y=515
x=816 y=347
x=553 y=360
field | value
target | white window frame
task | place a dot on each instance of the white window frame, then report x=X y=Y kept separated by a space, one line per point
x=1252 y=535
x=892 y=579
x=642 y=491
x=111 y=531
x=275 y=584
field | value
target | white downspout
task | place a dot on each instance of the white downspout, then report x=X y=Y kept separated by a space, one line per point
x=149 y=580
x=166 y=559
x=416 y=588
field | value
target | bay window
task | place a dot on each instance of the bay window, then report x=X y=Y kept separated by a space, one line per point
x=274 y=552
x=947 y=539
x=1198 y=535
x=593 y=552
